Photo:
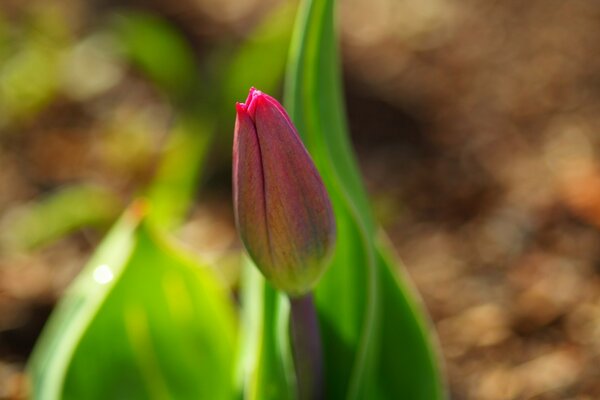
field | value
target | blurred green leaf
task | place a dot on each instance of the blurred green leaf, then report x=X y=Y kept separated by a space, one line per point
x=260 y=61
x=372 y=328
x=4 y=37
x=161 y=52
x=91 y=66
x=58 y=214
x=141 y=321
x=172 y=191
x=266 y=370
x=29 y=67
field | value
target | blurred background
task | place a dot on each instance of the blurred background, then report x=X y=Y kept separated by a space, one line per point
x=475 y=123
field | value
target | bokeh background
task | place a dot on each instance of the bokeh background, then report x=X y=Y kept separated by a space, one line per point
x=475 y=122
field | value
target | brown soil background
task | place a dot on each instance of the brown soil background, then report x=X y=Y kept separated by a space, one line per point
x=476 y=125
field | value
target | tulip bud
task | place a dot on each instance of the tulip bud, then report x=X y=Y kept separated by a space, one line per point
x=282 y=210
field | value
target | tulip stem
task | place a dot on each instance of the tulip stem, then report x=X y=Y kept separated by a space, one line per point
x=306 y=347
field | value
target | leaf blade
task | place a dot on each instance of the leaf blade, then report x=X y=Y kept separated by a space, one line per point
x=265 y=364
x=314 y=99
x=162 y=327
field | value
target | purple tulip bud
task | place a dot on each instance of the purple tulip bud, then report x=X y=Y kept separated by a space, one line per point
x=282 y=210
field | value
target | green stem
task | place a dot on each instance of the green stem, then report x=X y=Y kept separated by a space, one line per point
x=306 y=347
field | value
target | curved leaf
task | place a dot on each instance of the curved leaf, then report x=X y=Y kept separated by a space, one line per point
x=376 y=340
x=141 y=321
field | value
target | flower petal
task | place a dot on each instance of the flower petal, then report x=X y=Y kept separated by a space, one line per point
x=248 y=188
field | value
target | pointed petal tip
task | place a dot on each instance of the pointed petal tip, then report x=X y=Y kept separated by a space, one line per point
x=240 y=107
x=251 y=102
x=244 y=120
x=251 y=94
x=249 y=98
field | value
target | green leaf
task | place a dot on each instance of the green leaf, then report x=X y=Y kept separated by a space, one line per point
x=407 y=364
x=375 y=337
x=57 y=214
x=30 y=63
x=260 y=60
x=172 y=190
x=160 y=52
x=265 y=366
x=141 y=321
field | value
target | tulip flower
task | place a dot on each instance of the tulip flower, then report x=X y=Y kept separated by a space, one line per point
x=283 y=213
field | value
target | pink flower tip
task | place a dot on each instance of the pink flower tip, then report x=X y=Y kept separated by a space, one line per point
x=250 y=104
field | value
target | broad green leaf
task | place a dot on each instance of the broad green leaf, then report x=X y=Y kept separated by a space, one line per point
x=142 y=321
x=265 y=365
x=372 y=329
